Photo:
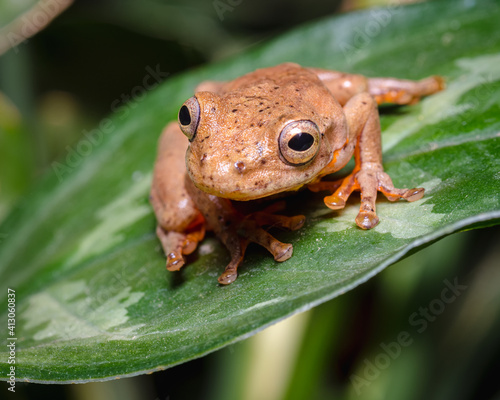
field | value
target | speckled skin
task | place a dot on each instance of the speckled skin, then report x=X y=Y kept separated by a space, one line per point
x=236 y=154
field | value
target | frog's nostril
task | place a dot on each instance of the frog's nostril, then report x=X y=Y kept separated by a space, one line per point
x=240 y=166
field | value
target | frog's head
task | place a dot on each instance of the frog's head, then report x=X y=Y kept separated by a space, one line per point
x=244 y=146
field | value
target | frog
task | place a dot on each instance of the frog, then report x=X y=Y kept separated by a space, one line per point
x=266 y=134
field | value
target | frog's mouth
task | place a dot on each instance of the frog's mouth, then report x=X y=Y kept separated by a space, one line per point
x=245 y=194
x=250 y=185
x=250 y=179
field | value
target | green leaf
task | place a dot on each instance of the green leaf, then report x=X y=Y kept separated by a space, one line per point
x=93 y=299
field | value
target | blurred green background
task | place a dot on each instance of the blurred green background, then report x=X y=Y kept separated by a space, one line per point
x=63 y=80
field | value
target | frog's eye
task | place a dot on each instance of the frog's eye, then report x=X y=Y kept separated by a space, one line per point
x=189 y=117
x=299 y=142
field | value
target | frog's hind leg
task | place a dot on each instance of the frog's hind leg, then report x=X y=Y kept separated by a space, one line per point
x=401 y=91
x=341 y=85
x=385 y=90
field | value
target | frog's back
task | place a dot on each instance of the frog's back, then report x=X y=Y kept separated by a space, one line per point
x=273 y=79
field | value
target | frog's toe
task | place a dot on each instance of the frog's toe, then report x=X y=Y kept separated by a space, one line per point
x=237 y=248
x=177 y=244
x=175 y=261
x=296 y=222
x=367 y=219
x=334 y=202
x=338 y=199
x=228 y=276
x=386 y=186
x=414 y=194
x=172 y=244
x=281 y=251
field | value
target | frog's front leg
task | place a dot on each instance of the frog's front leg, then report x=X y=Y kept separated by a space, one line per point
x=236 y=230
x=368 y=175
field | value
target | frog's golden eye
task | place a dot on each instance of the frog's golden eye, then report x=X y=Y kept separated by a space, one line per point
x=299 y=142
x=189 y=117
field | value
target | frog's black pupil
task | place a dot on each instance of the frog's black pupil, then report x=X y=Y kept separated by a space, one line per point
x=184 y=116
x=301 y=141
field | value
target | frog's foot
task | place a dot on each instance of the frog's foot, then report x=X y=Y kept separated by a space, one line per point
x=250 y=230
x=368 y=180
x=177 y=244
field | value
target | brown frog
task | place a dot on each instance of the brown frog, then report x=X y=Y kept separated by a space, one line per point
x=271 y=131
